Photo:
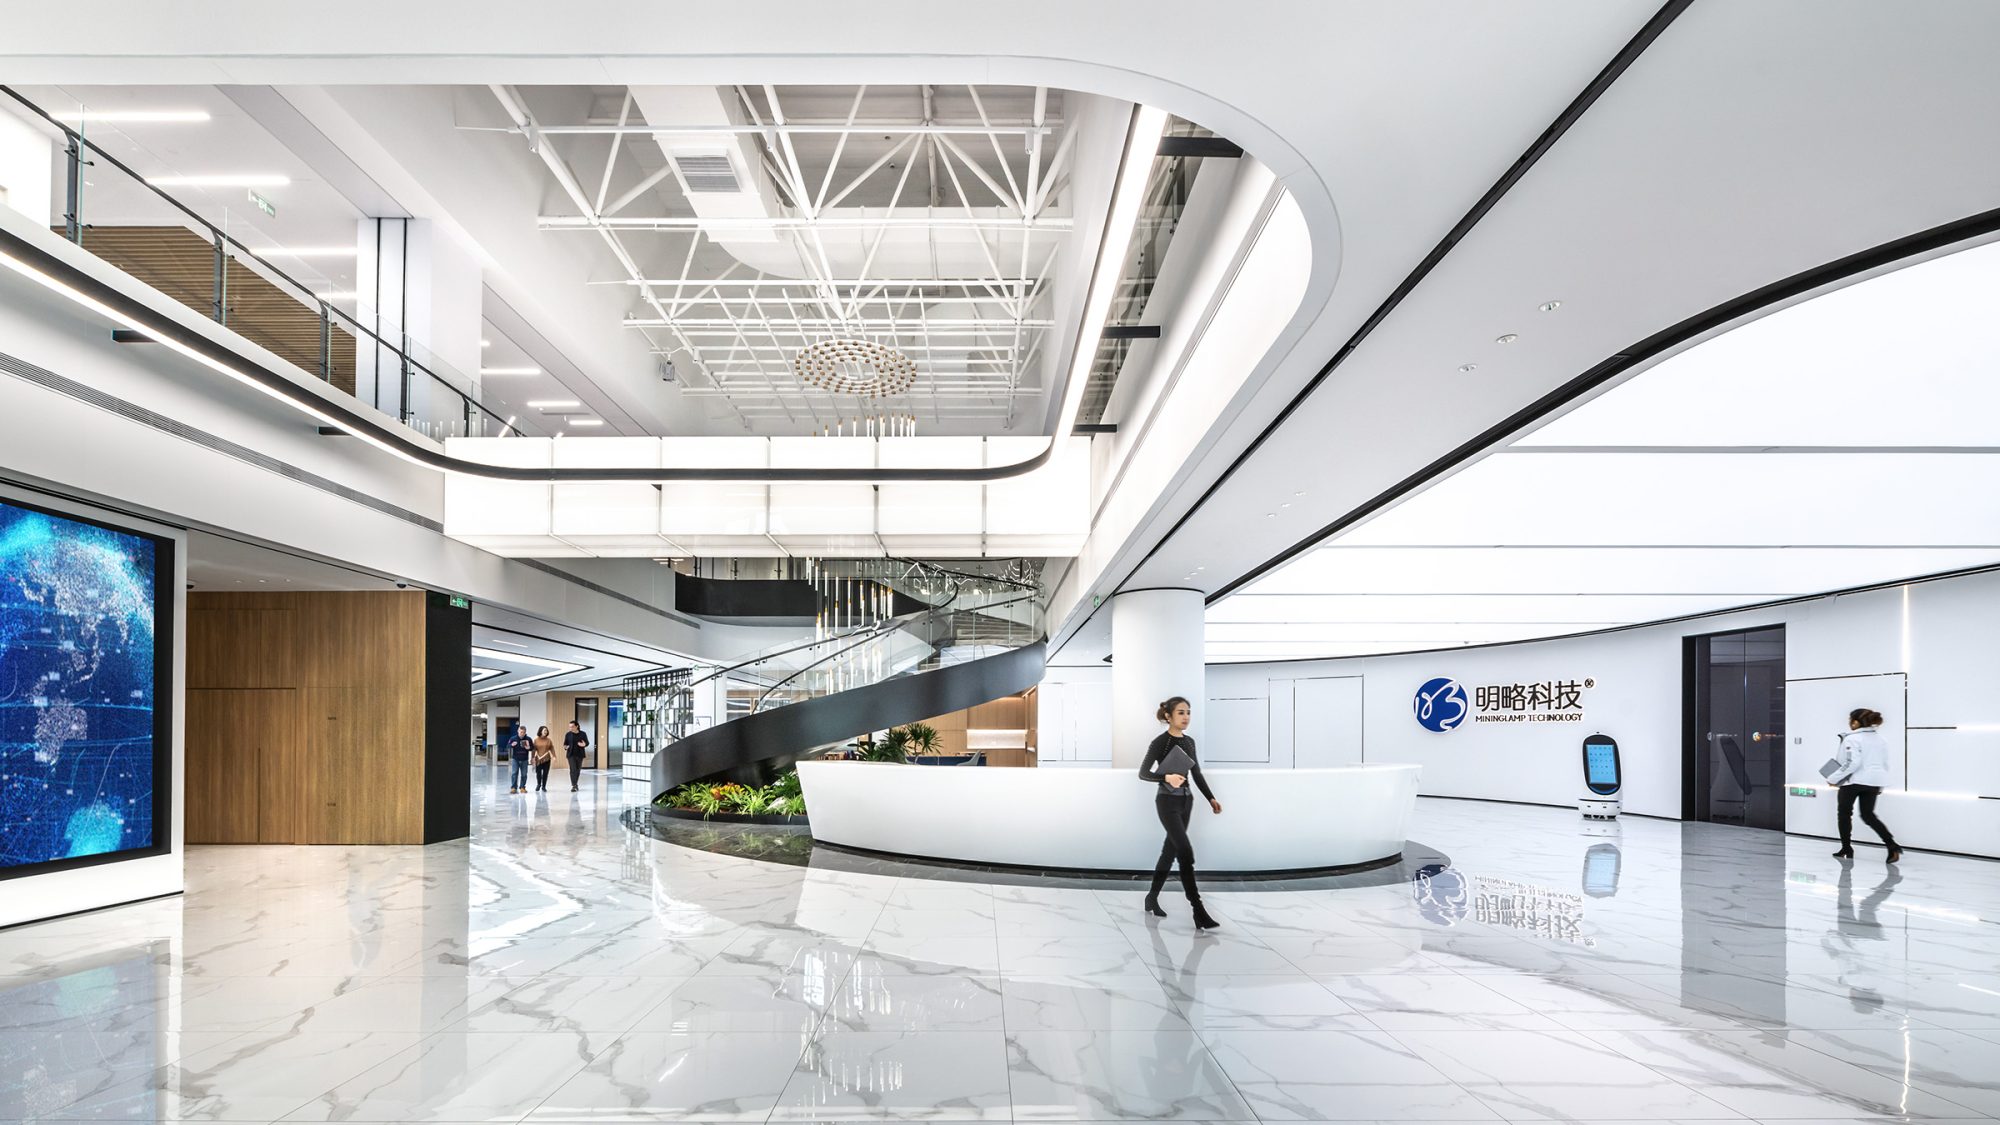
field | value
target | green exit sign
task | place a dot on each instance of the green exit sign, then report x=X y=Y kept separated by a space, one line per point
x=1804 y=791
x=460 y=603
x=262 y=204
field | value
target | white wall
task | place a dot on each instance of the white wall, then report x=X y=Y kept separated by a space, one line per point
x=27 y=168
x=129 y=880
x=1922 y=654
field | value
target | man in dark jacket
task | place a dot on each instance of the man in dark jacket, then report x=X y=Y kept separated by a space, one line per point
x=518 y=748
x=575 y=744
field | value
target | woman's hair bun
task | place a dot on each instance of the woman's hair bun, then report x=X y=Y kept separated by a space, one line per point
x=1166 y=711
x=1866 y=717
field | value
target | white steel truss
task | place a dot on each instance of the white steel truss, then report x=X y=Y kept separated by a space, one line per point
x=976 y=329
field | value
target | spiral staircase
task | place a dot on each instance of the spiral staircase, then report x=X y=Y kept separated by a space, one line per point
x=976 y=638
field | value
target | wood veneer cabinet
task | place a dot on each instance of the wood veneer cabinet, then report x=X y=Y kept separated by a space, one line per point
x=306 y=718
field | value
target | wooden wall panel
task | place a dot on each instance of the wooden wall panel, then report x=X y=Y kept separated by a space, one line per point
x=346 y=760
x=240 y=648
x=221 y=790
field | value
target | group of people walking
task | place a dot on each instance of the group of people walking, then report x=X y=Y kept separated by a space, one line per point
x=540 y=752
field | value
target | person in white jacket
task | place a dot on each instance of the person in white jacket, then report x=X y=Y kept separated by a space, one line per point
x=1864 y=770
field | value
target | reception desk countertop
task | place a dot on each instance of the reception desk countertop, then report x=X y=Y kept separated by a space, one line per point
x=1103 y=819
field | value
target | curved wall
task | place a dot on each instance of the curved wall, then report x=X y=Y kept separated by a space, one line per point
x=1920 y=652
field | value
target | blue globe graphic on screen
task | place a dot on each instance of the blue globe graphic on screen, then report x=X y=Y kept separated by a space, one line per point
x=76 y=689
x=1441 y=705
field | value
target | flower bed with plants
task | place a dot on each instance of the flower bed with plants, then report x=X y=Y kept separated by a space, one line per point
x=781 y=802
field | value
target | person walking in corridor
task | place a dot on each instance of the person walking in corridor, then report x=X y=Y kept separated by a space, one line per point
x=518 y=749
x=1864 y=770
x=544 y=757
x=1171 y=762
x=575 y=745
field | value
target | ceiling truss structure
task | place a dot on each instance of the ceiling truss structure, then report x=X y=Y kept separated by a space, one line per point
x=933 y=233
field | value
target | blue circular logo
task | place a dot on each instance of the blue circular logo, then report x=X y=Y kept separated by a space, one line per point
x=1441 y=704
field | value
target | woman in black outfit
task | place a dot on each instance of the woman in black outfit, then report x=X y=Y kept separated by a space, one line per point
x=1175 y=804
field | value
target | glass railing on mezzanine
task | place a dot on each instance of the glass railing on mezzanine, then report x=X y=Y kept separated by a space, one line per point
x=193 y=250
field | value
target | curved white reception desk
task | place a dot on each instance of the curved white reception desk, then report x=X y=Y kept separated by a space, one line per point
x=1103 y=819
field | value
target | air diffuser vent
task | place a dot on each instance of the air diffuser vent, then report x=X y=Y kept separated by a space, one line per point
x=708 y=174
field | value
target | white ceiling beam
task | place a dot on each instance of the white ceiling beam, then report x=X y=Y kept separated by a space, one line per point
x=827 y=128
x=776 y=282
x=871 y=324
x=759 y=222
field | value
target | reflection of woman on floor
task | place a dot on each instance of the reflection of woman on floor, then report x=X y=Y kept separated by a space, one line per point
x=1858 y=970
x=1175 y=804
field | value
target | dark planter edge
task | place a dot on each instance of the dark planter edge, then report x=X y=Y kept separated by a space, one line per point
x=728 y=817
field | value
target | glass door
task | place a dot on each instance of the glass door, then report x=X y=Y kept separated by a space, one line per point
x=1735 y=772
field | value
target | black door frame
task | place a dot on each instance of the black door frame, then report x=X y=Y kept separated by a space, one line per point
x=1695 y=758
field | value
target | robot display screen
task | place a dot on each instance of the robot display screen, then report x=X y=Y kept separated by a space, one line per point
x=1600 y=765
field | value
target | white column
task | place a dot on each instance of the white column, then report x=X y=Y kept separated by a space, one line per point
x=1156 y=653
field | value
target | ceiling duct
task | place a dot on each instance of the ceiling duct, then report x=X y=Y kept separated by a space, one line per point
x=707 y=173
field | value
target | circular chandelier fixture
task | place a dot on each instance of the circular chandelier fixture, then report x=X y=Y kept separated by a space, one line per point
x=855 y=367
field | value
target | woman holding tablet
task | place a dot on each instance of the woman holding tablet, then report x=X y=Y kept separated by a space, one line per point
x=1171 y=762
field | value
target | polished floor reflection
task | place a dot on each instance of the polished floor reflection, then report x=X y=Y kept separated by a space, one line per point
x=560 y=967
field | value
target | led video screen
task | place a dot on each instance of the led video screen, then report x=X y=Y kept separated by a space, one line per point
x=84 y=731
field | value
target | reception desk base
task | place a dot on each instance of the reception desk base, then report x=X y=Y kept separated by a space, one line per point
x=1097 y=821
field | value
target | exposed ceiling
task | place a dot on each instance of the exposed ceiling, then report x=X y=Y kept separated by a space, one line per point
x=749 y=222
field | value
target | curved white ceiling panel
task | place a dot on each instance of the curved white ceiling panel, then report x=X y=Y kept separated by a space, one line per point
x=1845 y=441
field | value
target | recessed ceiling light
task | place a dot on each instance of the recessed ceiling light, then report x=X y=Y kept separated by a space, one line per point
x=1467 y=368
x=552 y=403
x=510 y=371
x=1551 y=306
x=1300 y=492
x=137 y=116
x=583 y=421
x=1270 y=515
x=485 y=343
x=222 y=179
x=1286 y=504
x=1507 y=338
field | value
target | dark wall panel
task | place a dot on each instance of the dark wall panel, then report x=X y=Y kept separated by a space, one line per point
x=447 y=703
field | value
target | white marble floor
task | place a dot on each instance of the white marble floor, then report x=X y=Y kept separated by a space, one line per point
x=559 y=968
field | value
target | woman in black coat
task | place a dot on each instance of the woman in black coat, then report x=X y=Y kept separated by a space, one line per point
x=1170 y=762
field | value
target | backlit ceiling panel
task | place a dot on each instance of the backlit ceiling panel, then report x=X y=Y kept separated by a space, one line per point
x=1846 y=441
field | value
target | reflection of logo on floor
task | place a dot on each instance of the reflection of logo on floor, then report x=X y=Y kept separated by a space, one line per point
x=1446 y=896
x=1441 y=705
x=1441 y=894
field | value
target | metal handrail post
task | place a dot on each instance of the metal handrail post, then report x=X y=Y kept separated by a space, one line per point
x=73 y=193
x=221 y=282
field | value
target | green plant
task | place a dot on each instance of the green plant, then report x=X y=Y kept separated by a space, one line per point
x=922 y=737
x=891 y=747
x=787 y=785
x=753 y=802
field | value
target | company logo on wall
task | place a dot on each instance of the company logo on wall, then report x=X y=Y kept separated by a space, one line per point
x=1550 y=701
x=1441 y=704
